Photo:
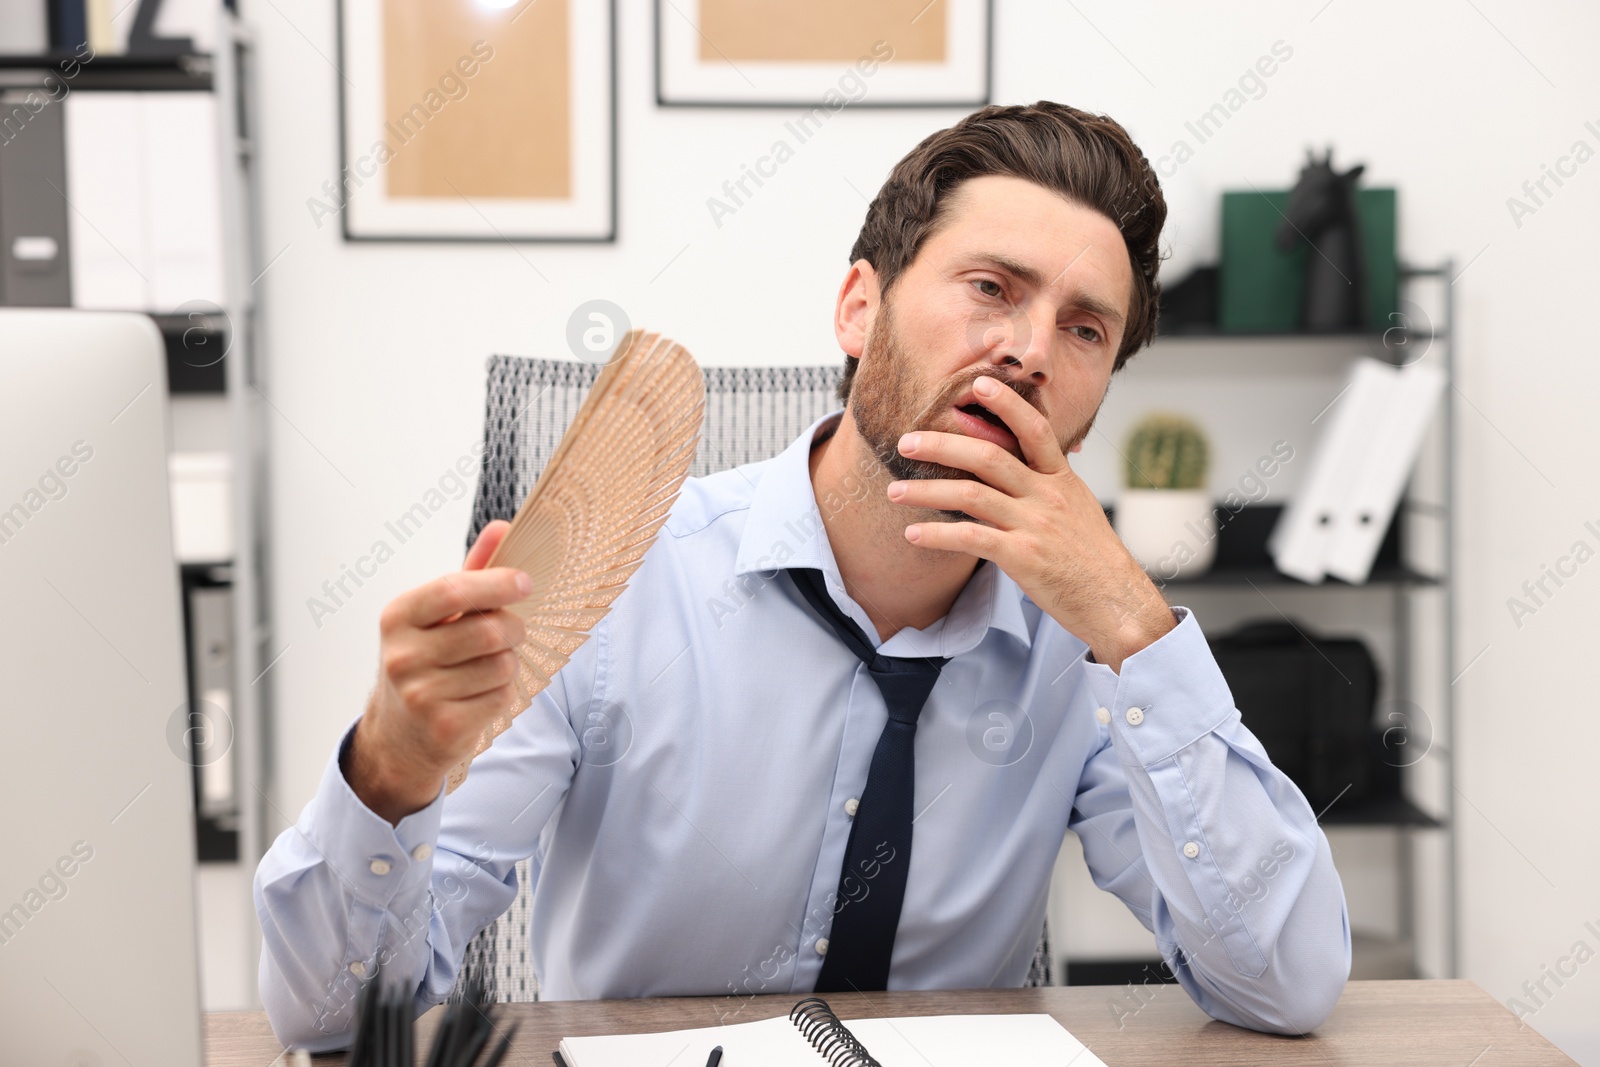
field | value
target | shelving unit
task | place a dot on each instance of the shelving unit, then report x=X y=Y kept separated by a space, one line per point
x=219 y=398
x=1412 y=795
x=156 y=73
x=254 y=652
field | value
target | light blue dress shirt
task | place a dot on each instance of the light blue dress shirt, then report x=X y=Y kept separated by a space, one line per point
x=686 y=786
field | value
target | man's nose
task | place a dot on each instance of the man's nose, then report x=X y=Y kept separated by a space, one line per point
x=1022 y=341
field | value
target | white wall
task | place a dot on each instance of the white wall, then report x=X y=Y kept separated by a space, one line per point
x=374 y=352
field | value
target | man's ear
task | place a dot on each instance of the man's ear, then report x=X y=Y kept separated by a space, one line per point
x=856 y=308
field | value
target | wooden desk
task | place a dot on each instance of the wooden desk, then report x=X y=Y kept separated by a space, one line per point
x=1453 y=1024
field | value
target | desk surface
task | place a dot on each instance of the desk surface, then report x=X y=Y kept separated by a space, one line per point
x=1403 y=1023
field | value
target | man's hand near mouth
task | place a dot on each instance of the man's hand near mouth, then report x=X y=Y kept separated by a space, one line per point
x=1038 y=522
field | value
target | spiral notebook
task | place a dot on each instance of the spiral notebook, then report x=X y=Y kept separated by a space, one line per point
x=812 y=1034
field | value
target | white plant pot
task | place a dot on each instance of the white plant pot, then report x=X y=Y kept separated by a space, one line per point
x=1171 y=532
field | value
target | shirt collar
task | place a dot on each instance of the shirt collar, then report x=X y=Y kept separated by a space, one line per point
x=784 y=529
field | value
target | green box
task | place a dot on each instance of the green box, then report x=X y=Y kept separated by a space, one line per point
x=1261 y=288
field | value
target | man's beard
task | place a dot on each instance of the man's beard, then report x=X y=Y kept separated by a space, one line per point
x=885 y=404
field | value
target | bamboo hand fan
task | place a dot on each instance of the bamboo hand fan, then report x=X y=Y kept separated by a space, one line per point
x=597 y=507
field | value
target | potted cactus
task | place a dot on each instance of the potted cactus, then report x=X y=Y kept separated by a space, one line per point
x=1164 y=514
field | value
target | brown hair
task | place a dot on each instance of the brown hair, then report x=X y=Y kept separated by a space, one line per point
x=1089 y=159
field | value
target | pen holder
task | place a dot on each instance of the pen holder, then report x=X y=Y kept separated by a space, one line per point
x=385 y=1029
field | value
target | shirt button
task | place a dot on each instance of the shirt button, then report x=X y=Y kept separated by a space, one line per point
x=378 y=866
x=822 y=946
x=1104 y=715
x=1135 y=716
x=851 y=806
x=358 y=969
x=421 y=852
x=1191 y=849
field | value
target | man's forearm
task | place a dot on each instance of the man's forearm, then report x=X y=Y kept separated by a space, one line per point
x=338 y=895
x=1241 y=893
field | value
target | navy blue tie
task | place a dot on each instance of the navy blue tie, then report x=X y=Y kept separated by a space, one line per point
x=877 y=857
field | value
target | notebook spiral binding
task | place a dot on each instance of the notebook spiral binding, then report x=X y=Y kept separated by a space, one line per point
x=830 y=1037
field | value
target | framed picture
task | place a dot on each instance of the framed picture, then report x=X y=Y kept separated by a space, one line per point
x=477 y=120
x=816 y=53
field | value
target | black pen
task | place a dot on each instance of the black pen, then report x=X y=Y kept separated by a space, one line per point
x=715 y=1057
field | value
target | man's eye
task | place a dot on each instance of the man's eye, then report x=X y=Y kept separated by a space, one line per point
x=994 y=286
x=1093 y=335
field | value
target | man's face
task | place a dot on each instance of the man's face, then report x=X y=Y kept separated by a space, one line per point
x=1018 y=284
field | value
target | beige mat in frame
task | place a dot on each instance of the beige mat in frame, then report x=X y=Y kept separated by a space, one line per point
x=767 y=53
x=466 y=121
x=821 y=31
x=521 y=83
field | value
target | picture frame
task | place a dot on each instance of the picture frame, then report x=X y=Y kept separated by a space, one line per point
x=438 y=143
x=735 y=53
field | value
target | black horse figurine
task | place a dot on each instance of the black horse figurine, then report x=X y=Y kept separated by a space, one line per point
x=1322 y=213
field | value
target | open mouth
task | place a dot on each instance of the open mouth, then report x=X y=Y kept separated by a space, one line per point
x=978 y=421
x=981 y=412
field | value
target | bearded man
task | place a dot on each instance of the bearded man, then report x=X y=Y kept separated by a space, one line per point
x=943 y=661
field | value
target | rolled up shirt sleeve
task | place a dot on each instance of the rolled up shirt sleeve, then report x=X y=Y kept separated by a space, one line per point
x=1183 y=816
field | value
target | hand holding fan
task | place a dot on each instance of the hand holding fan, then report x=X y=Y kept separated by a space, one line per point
x=597 y=507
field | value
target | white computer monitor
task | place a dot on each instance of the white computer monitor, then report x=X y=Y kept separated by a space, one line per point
x=98 y=960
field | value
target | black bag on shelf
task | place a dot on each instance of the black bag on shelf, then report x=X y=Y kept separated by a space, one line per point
x=1309 y=701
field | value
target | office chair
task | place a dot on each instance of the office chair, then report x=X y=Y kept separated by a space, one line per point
x=752 y=414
